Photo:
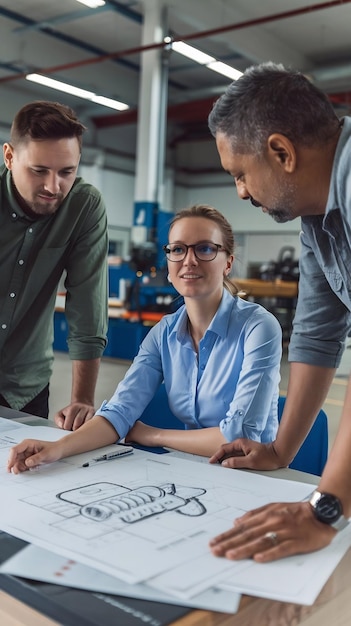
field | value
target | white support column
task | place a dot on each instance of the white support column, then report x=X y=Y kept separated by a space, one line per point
x=151 y=124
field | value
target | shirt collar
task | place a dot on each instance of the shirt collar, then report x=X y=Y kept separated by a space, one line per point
x=218 y=325
x=11 y=202
x=340 y=171
x=220 y=321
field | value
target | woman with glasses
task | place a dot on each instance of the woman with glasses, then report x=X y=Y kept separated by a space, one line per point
x=217 y=355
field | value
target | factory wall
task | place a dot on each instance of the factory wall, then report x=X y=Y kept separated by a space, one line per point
x=258 y=238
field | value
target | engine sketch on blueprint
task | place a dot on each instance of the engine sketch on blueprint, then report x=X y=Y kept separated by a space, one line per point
x=100 y=501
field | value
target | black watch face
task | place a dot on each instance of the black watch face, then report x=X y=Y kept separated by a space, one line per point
x=328 y=509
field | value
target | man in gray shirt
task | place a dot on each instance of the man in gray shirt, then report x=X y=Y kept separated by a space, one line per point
x=50 y=222
x=279 y=138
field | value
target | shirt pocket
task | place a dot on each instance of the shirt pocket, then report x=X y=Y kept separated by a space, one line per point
x=335 y=280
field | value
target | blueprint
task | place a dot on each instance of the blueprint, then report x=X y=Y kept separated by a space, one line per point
x=149 y=518
x=38 y=564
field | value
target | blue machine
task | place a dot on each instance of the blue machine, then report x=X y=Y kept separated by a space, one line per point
x=142 y=285
x=149 y=291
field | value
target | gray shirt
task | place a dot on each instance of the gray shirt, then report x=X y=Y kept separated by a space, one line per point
x=323 y=313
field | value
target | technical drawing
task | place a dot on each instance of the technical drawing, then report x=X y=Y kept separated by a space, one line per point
x=100 y=501
x=143 y=519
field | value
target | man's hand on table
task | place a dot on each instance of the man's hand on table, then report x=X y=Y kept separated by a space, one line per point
x=247 y=454
x=272 y=532
x=74 y=415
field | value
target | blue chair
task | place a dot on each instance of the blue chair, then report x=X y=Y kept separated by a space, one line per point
x=158 y=413
x=312 y=456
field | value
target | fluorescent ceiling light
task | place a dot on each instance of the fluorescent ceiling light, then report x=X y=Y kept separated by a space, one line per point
x=55 y=84
x=204 y=59
x=76 y=91
x=93 y=4
x=192 y=53
x=109 y=102
x=226 y=70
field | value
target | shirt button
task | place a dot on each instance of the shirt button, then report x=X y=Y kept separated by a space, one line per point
x=14 y=215
x=30 y=230
x=3 y=326
x=20 y=262
x=12 y=295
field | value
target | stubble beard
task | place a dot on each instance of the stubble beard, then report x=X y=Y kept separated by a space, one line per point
x=36 y=206
x=285 y=201
x=42 y=208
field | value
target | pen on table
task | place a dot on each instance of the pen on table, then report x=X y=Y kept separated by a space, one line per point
x=108 y=457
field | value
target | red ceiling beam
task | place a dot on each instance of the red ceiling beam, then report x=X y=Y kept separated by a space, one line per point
x=194 y=111
x=197 y=35
x=341 y=98
x=186 y=112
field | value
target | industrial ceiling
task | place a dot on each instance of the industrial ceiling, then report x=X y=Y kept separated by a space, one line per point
x=101 y=50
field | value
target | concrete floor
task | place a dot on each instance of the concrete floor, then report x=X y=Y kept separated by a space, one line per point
x=113 y=370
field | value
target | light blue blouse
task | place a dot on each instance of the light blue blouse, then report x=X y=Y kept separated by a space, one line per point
x=231 y=383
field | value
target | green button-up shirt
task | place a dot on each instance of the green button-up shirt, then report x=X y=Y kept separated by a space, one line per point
x=33 y=255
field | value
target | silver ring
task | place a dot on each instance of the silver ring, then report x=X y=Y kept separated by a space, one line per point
x=273 y=537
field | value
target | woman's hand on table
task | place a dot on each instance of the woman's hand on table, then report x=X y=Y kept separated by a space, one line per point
x=31 y=453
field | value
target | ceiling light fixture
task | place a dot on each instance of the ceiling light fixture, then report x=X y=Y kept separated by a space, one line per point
x=226 y=70
x=203 y=59
x=76 y=91
x=93 y=4
x=192 y=53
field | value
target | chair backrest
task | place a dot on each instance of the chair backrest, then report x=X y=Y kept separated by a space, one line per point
x=311 y=457
x=158 y=413
x=313 y=453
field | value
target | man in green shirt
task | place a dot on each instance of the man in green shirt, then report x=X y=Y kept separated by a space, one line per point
x=50 y=222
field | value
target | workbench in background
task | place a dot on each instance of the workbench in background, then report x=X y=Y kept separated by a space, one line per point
x=127 y=328
x=277 y=296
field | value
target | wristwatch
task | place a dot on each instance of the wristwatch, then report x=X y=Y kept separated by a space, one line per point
x=328 y=509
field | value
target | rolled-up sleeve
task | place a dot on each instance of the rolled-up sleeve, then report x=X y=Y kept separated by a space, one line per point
x=135 y=391
x=321 y=320
x=253 y=411
x=87 y=279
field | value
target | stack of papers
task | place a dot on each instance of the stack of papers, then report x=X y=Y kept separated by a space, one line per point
x=140 y=525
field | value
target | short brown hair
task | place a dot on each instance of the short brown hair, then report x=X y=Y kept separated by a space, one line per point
x=42 y=120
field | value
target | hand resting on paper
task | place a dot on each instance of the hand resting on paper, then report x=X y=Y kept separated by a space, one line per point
x=74 y=415
x=246 y=454
x=31 y=453
x=272 y=532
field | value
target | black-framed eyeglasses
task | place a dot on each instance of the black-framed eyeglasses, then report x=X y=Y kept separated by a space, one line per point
x=204 y=251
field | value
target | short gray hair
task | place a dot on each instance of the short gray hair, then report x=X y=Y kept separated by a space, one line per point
x=267 y=99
